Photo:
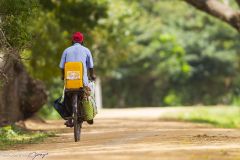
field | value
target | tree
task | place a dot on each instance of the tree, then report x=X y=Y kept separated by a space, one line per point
x=176 y=63
x=20 y=95
x=220 y=10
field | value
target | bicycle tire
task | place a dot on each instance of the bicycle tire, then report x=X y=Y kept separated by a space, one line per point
x=77 y=125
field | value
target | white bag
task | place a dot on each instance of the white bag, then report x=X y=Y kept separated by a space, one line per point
x=92 y=97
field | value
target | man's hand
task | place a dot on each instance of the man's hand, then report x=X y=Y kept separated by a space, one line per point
x=92 y=75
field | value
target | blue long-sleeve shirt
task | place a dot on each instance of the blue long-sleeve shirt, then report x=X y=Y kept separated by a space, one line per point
x=78 y=53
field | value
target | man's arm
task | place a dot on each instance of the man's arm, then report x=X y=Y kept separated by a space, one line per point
x=61 y=65
x=62 y=74
x=90 y=65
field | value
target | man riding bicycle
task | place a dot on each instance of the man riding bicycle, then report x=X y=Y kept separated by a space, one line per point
x=78 y=53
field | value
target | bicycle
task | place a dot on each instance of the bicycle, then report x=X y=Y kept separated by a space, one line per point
x=78 y=94
x=78 y=113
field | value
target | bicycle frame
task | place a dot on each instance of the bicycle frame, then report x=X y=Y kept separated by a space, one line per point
x=76 y=103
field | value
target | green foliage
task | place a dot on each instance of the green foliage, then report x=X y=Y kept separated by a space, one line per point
x=48 y=112
x=16 y=15
x=55 y=91
x=184 y=57
x=212 y=54
x=52 y=29
x=46 y=48
x=90 y=11
x=225 y=117
x=147 y=53
x=56 y=22
x=12 y=135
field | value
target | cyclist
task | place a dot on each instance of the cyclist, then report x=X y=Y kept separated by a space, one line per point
x=77 y=53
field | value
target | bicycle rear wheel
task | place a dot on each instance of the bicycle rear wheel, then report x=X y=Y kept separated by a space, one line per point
x=76 y=121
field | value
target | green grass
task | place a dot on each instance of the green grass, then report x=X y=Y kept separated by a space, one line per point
x=13 y=135
x=224 y=117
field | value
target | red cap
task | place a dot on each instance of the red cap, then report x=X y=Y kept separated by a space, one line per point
x=78 y=37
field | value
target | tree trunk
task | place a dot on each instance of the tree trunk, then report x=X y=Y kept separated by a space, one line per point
x=21 y=96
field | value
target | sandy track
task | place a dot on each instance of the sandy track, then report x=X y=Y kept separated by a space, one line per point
x=133 y=134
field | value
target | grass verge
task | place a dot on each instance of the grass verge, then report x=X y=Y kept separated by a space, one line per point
x=13 y=135
x=224 y=117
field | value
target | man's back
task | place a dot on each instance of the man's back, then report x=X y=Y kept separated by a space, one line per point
x=78 y=53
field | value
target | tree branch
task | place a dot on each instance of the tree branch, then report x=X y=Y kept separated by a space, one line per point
x=238 y=2
x=218 y=10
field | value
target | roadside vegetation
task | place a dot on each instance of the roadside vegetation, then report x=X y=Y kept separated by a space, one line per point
x=13 y=135
x=224 y=117
x=48 y=112
x=146 y=53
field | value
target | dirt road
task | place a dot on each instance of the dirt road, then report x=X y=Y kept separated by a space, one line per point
x=134 y=134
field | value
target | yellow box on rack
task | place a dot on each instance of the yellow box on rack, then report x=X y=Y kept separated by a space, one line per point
x=73 y=75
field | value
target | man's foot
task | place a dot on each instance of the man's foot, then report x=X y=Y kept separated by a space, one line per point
x=90 y=122
x=69 y=123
